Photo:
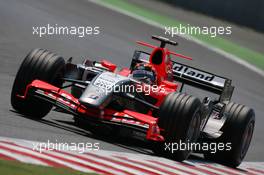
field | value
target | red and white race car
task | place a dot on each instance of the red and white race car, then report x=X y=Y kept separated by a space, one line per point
x=145 y=99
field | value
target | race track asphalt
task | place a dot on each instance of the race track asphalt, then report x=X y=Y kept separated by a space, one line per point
x=116 y=43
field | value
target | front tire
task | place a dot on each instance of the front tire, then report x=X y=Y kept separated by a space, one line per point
x=42 y=65
x=180 y=120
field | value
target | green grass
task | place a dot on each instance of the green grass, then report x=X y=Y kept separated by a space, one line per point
x=18 y=168
x=246 y=54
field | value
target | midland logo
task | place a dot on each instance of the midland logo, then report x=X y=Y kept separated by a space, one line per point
x=190 y=72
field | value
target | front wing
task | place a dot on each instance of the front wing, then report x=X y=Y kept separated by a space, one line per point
x=68 y=103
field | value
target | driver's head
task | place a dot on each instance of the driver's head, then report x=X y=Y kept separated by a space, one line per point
x=145 y=72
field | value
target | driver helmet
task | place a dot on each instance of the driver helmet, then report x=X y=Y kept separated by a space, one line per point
x=145 y=72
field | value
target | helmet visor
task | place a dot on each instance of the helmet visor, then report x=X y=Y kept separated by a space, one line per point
x=143 y=74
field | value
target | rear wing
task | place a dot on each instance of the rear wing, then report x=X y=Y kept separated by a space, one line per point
x=203 y=80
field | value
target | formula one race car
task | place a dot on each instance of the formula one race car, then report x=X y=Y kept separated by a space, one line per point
x=145 y=100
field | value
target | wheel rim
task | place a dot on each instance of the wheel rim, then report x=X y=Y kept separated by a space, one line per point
x=247 y=139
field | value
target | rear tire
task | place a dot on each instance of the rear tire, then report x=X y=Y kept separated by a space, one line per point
x=42 y=65
x=179 y=117
x=238 y=131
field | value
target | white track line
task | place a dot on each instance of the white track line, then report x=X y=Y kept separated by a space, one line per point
x=187 y=37
x=255 y=171
x=222 y=169
x=155 y=166
x=110 y=162
x=134 y=167
x=139 y=166
x=178 y=166
x=47 y=157
x=75 y=159
x=115 y=165
x=212 y=170
x=22 y=158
